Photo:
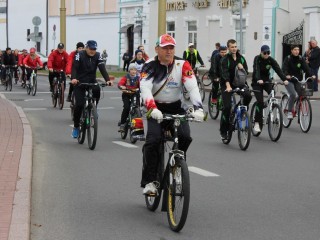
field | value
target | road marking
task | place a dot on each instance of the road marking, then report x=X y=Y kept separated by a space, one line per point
x=105 y=108
x=124 y=144
x=34 y=109
x=32 y=99
x=115 y=97
x=202 y=172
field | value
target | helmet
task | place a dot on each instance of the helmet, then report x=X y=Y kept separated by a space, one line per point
x=32 y=50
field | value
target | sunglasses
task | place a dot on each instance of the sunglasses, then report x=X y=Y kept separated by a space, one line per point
x=266 y=53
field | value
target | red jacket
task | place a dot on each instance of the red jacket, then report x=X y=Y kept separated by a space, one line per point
x=21 y=58
x=129 y=82
x=32 y=63
x=58 y=61
x=70 y=61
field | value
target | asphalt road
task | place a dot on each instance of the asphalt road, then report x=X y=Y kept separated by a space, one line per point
x=270 y=191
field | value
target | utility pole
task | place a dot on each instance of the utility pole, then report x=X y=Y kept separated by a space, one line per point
x=241 y=30
x=63 y=23
x=7 y=22
x=162 y=14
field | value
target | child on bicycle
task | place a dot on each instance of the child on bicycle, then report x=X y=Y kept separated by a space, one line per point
x=128 y=82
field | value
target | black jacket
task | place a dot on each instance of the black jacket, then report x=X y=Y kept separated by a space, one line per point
x=84 y=67
x=215 y=70
x=295 y=66
x=8 y=59
x=262 y=67
x=314 y=59
x=228 y=67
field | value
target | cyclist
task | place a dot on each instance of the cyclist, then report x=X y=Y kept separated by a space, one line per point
x=8 y=59
x=161 y=86
x=129 y=81
x=228 y=65
x=16 y=57
x=138 y=60
x=20 y=63
x=79 y=47
x=214 y=72
x=32 y=61
x=57 y=62
x=216 y=51
x=294 y=65
x=84 y=69
x=192 y=55
x=262 y=65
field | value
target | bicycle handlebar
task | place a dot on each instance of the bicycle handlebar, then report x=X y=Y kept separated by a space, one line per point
x=130 y=90
x=301 y=81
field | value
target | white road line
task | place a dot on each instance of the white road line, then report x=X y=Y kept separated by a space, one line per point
x=34 y=109
x=105 y=108
x=33 y=99
x=115 y=97
x=124 y=144
x=202 y=172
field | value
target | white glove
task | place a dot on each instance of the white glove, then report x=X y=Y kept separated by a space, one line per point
x=260 y=81
x=198 y=114
x=286 y=82
x=156 y=114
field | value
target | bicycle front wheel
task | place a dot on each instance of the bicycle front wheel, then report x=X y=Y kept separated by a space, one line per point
x=178 y=195
x=305 y=115
x=10 y=83
x=206 y=80
x=54 y=95
x=284 y=108
x=92 y=127
x=252 y=117
x=34 y=86
x=61 y=96
x=275 y=123
x=244 y=130
x=83 y=128
x=213 y=107
x=201 y=89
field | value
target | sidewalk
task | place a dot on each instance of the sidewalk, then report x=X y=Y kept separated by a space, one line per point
x=15 y=172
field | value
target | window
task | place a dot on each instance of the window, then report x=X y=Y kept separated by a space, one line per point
x=192 y=33
x=171 y=28
x=237 y=30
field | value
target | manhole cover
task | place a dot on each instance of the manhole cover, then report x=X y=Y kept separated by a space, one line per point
x=17 y=100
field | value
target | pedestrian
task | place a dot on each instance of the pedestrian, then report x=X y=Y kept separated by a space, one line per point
x=312 y=57
x=126 y=60
x=104 y=56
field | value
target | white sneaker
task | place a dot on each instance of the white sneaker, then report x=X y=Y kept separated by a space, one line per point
x=256 y=127
x=150 y=188
x=290 y=116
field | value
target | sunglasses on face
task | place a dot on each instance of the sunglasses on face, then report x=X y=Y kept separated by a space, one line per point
x=266 y=53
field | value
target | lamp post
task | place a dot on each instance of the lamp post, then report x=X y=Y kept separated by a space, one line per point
x=241 y=33
x=7 y=23
x=63 y=22
x=162 y=12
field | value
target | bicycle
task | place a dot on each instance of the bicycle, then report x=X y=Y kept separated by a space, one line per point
x=200 y=86
x=215 y=108
x=174 y=179
x=32 y=85
x=8 y=77
x=89 y=117
x=239 y=120
x=134 y=120
x=273 y=112
x=206 y=79
x=58 y=90
x=302 y=105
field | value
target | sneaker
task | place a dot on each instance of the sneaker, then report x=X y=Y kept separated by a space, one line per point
x=256 y=127
x=75 y=133
x=121 y=129
x=214 y=100
x=150 y=189
x=290 y=116
x=68 y=99
x=224 y=136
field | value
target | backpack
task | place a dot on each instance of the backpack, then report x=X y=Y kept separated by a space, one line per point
x=240 y=77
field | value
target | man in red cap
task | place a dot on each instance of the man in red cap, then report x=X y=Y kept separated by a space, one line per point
x=162 y=79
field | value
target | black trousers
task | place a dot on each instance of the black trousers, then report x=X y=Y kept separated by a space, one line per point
x=79 y=94
x=150 y=149
x=126 y=65
x=52 y=75
x=29 y=71
x=260 y=100
x=215 y=88
x=226 y=98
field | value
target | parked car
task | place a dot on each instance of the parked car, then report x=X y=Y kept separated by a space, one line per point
x=44 y=60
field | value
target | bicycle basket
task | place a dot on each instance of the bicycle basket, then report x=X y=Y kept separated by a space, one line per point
x=305 y=89
x=240 y=77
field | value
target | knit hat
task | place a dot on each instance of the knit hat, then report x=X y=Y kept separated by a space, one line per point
x=137 y=51
x=80 y=44
x=132 y=66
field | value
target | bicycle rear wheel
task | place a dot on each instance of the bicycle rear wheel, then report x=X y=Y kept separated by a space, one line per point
x=54 y=95
x=83 y=128
x=244 y=130
x=275 y=122
x=305 y=115
x=61 y=96
x=34 y=86
x=92 y=126
x=284 y=108
x=205 y=79
x=178 y=195
x=252 y=117
x=201 y=89
x=213 y=107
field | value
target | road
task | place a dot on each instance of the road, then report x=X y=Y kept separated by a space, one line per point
x=270 y=191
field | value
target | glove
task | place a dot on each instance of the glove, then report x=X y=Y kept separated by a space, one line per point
x=156 y=114
x=260 y=81
x=286 y=82
x=198 y=115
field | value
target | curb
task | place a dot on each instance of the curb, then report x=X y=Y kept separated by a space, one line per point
x=21 y=211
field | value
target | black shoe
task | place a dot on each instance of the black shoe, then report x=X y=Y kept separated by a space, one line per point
x=68 y=99
x=224 y=136
x=121 y=128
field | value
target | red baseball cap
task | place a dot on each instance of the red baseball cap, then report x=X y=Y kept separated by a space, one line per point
x=165 y=40
x=32 y=50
